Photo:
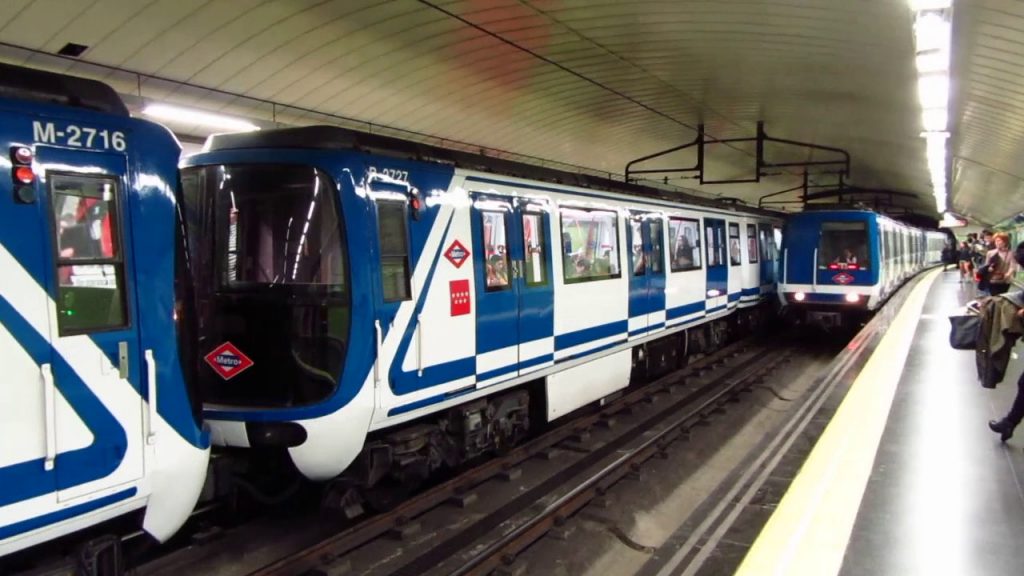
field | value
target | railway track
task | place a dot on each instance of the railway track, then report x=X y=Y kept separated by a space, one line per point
x=498 y=509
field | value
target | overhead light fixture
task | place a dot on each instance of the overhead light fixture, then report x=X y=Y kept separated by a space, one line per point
x=932 y=62
x=933 y=39
x=198 y=117
x=918 y=5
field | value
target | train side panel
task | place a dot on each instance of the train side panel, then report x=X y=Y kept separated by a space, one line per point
x=94 y=411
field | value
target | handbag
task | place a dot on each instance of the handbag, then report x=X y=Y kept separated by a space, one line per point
x=963 y=333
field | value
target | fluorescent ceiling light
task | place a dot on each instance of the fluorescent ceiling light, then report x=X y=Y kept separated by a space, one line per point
x=191 y=116
x=932 y=32
x=932 y=62
x=930 y=4
x=933 y=91
x=935 y=119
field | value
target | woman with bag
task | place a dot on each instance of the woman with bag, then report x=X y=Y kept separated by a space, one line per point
x=1001 y=264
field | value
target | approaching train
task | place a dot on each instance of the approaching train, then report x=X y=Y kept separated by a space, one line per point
x=95 y=416
x=386 y=308
x=839 y=265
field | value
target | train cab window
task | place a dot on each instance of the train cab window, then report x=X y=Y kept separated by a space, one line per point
x=657 y=247
x=843 y=245
x=535 y=245
x=590 y=244
x=684 y=238
x=90 y=264
x=752 y=243
x=394 y=250
x=495 y=250
x=734 y=245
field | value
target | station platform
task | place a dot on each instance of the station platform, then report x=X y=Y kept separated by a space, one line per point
x=907 y=478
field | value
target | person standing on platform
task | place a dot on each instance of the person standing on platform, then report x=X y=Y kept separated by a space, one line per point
x=966 y=264
x=1005 y=426
x=1002 y=265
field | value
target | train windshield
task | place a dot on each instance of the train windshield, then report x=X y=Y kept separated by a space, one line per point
x=267 y=256
x=843 y=246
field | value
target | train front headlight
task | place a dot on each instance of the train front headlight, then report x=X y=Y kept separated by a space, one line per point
x=799 y=296
x=852 y=298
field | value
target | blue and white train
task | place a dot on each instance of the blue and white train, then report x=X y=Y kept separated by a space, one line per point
x=838 y=265
x=95 y=417
x=386 y=307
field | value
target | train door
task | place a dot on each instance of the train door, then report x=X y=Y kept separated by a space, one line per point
x=531 y=253
x=638 y=282
x=97 y=362
x=645 y=236
x=515 y=311
x=716 y=292
x=735 y=279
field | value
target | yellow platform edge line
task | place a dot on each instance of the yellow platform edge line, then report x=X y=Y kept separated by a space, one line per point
x=809 y=531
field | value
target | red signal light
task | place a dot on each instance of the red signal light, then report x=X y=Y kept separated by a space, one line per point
x=24 y=174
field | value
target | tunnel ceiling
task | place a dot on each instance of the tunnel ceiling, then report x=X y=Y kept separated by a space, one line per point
x=988 y=109
x=588 y=83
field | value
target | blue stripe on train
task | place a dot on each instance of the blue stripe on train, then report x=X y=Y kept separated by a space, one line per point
x=684 y=310
x=54 y=517
x=30 y=479
x=650 y=328
x=586 y=335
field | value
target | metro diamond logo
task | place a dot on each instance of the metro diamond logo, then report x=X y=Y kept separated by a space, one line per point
x=842 y=278
x=228 y=361
x=456 y=254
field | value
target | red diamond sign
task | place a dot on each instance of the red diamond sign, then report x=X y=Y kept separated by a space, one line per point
x=456 y=254
x=842 y=278
x=228 y=361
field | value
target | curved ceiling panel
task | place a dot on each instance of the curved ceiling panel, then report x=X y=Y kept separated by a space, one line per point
x=591 y=83
x=988 y=109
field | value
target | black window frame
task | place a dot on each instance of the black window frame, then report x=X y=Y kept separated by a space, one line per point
x=698 y=247
x=403 y=206
x=656 y=259
x=753 y=256
x=618 y=245
x=730 y=226
x=637 y=220
x=824 y=261
x=118 y=261
x=542 y=236
x=482 y=213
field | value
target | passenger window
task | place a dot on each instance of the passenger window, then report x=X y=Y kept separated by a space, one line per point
x=90 y=264
x=495 y=251
x=534 y=242
x=734 y=244
x=394 y=251
x=752 y=243
x=590 y=244
x=657 y=247
x=684 y=236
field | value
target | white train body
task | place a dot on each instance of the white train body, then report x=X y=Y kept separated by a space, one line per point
x=448 y=286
